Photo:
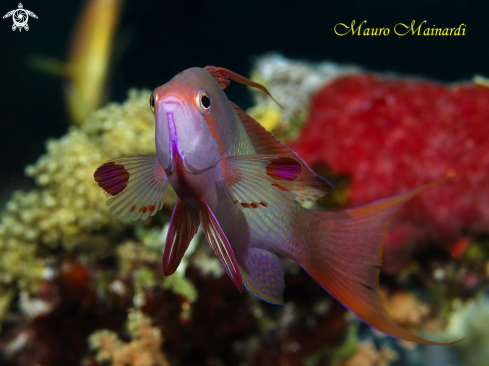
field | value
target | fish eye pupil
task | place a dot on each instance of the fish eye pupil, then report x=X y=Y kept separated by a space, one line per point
x=205 y=101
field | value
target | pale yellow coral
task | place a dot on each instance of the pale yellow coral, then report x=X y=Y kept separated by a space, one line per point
x=405 y=308
x=269 y=116
x=144 y=348
x=69 y=202
x=6 y=296
x=131 y=253
x=135 y=260
x=368 y=355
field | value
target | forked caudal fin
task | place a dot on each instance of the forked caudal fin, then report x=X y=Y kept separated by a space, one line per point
x=345 y=257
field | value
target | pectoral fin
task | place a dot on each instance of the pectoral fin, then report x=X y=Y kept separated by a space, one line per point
x=308 y=186
x=219 y=243
x=135 y=186
x=262 y=182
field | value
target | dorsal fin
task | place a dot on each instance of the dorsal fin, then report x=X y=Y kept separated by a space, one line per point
x=222 y=76
x=219 y=75
x=266 y=143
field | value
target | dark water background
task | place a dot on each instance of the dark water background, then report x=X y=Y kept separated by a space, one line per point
x=166 y=37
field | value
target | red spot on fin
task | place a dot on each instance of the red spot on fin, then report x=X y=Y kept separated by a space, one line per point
x=143 y=209
x=112 y=177
x=263 y=203
x=246 y=180
x=248 y=205
x=265 y=143
x=280 y=187
x=151 y=208
x=284 y=168
x=132 y=182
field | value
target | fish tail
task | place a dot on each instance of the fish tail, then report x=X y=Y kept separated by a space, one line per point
x=345 y=257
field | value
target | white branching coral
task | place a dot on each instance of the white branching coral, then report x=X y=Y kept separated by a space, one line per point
x=291 y=83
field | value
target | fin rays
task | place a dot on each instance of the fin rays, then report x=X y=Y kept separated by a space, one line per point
x=308 y=185
x=347 y=265
x=259 y=181
x=135 y=186
x=183 y=227
x=220 y=245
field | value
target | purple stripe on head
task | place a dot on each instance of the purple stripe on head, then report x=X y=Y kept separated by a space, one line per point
x=173 y=132
x=112 y=178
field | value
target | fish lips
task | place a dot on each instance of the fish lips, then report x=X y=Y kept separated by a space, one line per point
x=182 y=131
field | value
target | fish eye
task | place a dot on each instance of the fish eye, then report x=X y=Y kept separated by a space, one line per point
x=152 y=101
x=203 y=102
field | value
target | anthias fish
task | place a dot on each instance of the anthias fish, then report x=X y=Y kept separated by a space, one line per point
x=242 y=186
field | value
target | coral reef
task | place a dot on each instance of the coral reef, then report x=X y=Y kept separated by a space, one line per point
x=391 y=135
x=291 y=83
x=367 y=355
x=471 y=318
x=77 y=286
x=143 y=349
x=139 y=264
x=68 y=202
x=406 y=309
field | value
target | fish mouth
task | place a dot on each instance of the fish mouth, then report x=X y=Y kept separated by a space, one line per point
x=172 y=109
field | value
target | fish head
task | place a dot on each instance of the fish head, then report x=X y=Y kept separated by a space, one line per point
x=191 y=121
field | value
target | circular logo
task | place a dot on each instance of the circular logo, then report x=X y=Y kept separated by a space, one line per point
x=20 y=17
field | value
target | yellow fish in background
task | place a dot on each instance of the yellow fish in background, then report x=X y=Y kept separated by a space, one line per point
x=89 y=56
x=241 y=185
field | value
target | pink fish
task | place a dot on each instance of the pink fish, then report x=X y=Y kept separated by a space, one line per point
x=241 y=185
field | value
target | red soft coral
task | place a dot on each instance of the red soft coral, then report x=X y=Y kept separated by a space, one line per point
x=392 y=135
